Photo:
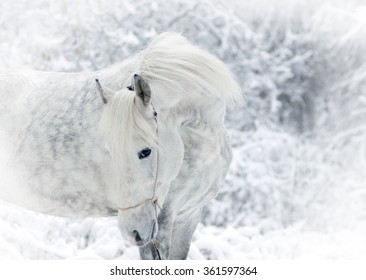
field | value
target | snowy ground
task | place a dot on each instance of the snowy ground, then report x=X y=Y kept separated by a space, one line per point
x=296 y=188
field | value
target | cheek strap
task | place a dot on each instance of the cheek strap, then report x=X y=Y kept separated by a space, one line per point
x=154 y=198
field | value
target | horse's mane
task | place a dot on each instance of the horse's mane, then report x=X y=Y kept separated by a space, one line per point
x=172 y=63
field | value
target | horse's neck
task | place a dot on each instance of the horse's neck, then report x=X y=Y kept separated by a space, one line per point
x=207 y=151
x=193 y=111
x=206 y=160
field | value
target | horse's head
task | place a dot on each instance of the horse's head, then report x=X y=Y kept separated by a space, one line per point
x=147 y=154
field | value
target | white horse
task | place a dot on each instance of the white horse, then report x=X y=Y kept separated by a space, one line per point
x=145 y=141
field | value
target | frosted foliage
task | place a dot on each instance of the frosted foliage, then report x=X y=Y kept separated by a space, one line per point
x=296 y=186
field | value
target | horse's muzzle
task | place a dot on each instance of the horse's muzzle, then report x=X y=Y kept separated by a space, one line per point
x=140 y=241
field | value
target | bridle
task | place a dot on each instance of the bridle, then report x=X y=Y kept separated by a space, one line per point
x=154 y=198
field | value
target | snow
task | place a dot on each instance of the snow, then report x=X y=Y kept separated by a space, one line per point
x=296 y=187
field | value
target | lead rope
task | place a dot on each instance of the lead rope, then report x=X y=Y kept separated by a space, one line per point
x=156 y=249
x=154 y=198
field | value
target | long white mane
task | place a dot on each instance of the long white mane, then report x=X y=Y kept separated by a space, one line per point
x=171 y=62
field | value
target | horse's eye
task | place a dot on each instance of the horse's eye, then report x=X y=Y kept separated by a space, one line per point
x=132 y=88
x=144 y=153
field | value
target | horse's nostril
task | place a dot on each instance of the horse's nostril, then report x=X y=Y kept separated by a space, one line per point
x=137 y=236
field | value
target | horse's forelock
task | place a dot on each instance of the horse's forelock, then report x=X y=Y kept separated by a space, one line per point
x=122 y=119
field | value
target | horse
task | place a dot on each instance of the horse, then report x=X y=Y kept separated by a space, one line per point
x=143 y=140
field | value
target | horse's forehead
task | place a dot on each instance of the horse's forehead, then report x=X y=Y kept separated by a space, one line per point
x=137 y=140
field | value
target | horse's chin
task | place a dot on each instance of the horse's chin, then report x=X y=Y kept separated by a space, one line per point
x=143 y=242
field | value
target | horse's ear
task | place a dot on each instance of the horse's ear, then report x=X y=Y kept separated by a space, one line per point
x=142 y=90
x=104 y=92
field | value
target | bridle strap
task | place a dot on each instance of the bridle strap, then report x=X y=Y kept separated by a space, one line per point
x=154 y=198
